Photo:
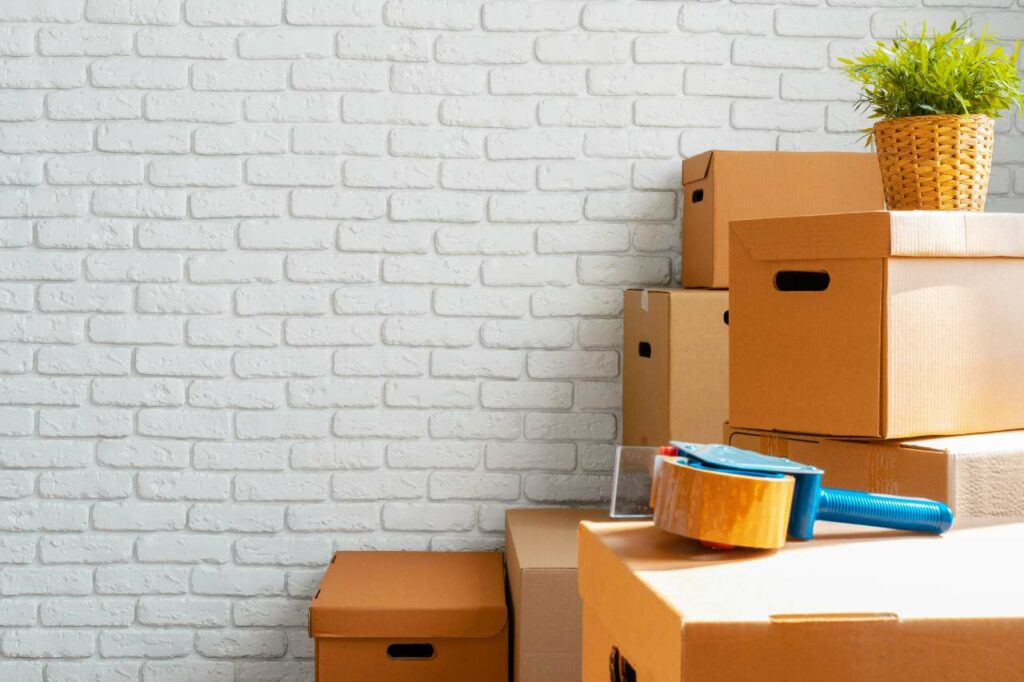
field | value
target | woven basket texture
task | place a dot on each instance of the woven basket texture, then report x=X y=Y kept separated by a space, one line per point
x=939 y=163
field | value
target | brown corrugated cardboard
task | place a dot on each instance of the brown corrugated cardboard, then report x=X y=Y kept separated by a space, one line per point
x=977 y=475
x=541 y=551
x=401 y=616
x=878 y=325
x=721 y=186
x=675 y=366
x=853 y=604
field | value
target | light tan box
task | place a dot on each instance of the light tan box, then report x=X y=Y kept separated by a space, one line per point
x=541 y=553
x=854 y=604
x=411 y=617
x=721 y=186
x=976 y=475
x=675 y=366
x=878 y=325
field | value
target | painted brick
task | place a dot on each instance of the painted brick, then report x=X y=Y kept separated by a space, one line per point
x=533 y=80
x=238 y=518
x=183 y=549
x=226 y=333
x=314 y=75
x=437 y=80
x=445 y=144
x=233 y=12
x=384 y=44
x=333 y=12
x=186 y=42
x=143 y=74
x=456 y=15
x=76 y=105
x=240 y=456
x=88 y=41
x=531 y=456
x=582 y=49
x=145 y=454
x=742 y=19
x=42 y=73
x=87 y=170
x=135 y=579
x=280 y=278
x=535 y=16
x=177 y=423
x=330 y=139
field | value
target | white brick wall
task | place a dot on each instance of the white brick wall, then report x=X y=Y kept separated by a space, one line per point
x=280 y=277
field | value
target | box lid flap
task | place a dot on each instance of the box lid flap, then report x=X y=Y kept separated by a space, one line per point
x=697 y=167
x=546 y=538
x=653 y=290
x=847 y=572
x=883 y=234
x=957 y=234
x=816 y=237
x=411 y=594
x=975 y=444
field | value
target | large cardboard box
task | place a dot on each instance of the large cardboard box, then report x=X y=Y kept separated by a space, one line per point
x=675 y=366
x=978 y=475
x=852 y=605
x=541 y=552
x=721 y=186
x=878 y=325
x=411 y=617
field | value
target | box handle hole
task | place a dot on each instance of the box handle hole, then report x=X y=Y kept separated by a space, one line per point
x=801 y=280
x=725 y=317
x=628 y=672
x=410 y=652
x=644 y=349
x=620 y=670
x=697 y=196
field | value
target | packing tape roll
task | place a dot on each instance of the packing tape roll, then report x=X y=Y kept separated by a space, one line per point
x=720 y=507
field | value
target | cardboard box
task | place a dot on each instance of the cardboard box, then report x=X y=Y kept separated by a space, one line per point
x=878 y=325
x=675 y=366
x=721 y=186
x=411 y=617
x=854 y=604
x=541 y=552
x=979 y=475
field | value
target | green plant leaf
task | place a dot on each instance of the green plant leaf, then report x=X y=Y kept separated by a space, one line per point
x=951 y=72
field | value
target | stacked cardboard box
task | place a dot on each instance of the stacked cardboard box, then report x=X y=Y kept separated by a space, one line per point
x=845 y=322
x=541 y=556
x=403 y=616
x=884 y=348
x=882 y=327
x=722 y=186
x=675 y=364
x=852 y=605
x=977 y=475
x=675 y=345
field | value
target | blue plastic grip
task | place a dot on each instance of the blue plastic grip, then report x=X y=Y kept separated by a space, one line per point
x=884 y=511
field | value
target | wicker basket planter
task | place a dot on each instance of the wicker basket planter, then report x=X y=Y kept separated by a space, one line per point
x=939 y=163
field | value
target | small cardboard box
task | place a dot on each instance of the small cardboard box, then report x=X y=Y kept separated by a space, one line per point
x=854 y=604
x=675 y=367
x=978 y=475
x=411 y=617
x=721 y=186
x=878 y=325
x=541 y=551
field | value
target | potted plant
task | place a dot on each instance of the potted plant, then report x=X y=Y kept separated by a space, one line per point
x=937 y=99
